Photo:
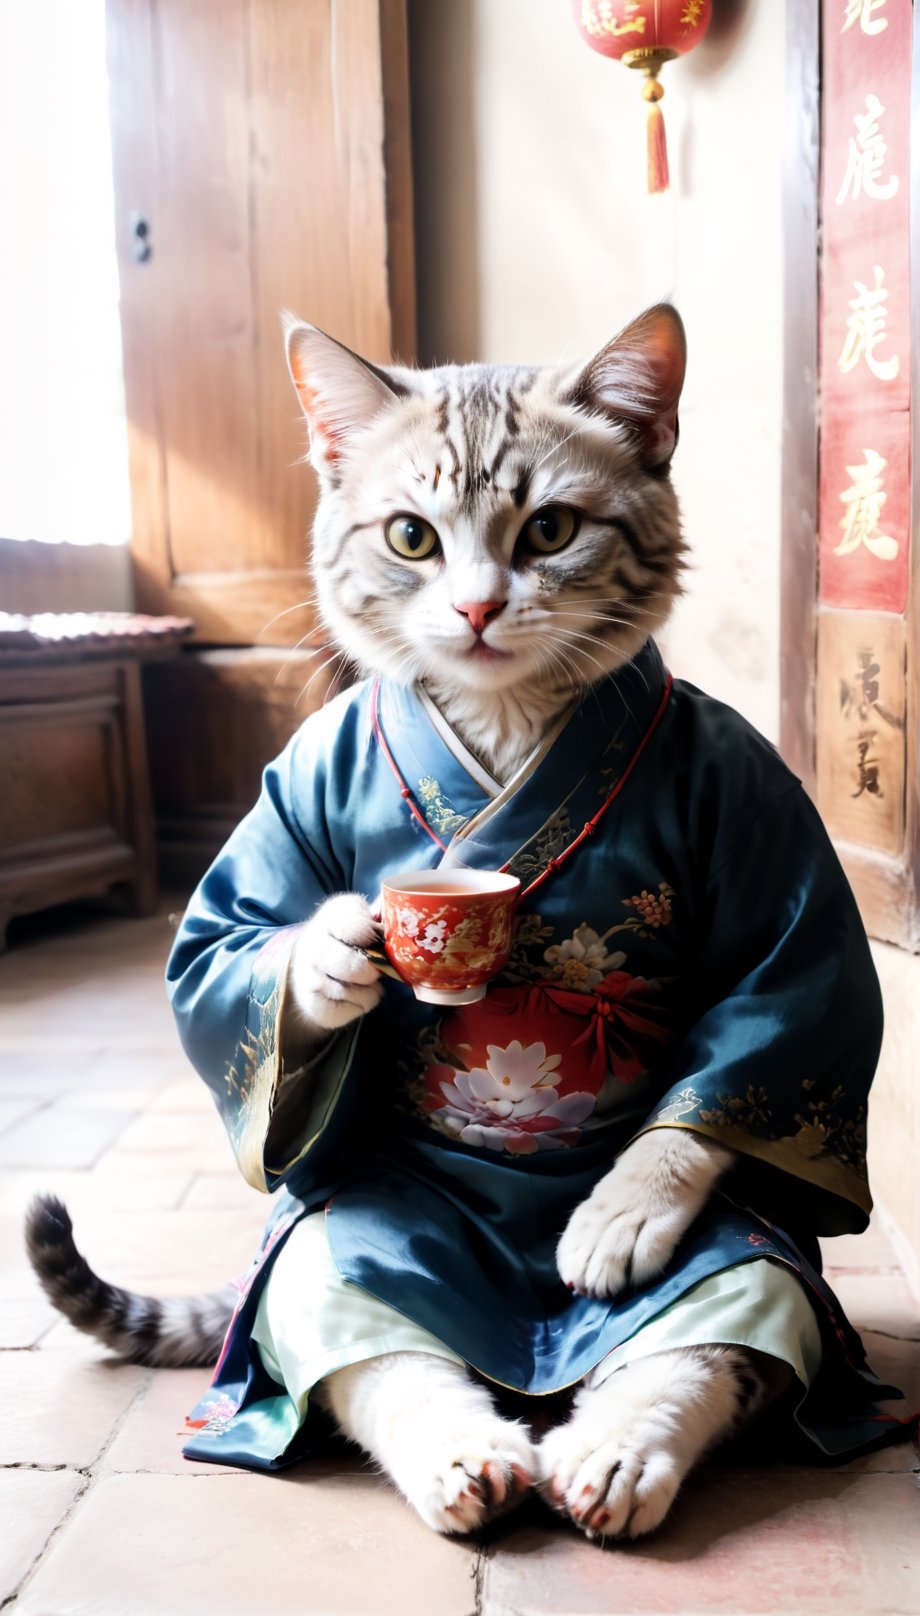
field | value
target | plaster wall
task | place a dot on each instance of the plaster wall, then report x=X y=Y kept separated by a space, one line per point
x=536 y=239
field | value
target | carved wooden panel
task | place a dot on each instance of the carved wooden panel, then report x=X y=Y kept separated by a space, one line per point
x=860 y=728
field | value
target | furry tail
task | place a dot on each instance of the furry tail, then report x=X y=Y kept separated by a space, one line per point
x=176 y=1333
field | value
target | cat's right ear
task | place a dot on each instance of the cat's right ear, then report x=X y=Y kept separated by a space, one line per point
x=339 y=392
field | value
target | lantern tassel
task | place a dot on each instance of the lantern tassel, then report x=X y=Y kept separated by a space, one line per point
x=659 y=178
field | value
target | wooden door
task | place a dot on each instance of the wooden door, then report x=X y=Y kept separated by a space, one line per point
x=261 y=161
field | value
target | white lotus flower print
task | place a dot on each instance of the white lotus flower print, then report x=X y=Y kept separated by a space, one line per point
x=582 y=960
x=511 y=1103
x=433 y=939
x=408 y=922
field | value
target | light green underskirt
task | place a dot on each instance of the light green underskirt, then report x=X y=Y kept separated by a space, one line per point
x=310 y=1321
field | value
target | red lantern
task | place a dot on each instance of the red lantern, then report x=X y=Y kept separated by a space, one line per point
x=645 y=34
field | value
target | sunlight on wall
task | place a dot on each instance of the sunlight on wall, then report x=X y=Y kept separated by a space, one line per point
x=63 y=450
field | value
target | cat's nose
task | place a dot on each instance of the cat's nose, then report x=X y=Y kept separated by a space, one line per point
x=480 y=612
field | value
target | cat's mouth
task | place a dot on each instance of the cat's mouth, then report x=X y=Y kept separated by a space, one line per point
x=479 y=651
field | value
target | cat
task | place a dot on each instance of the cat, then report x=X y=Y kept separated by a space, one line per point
x=504 y=635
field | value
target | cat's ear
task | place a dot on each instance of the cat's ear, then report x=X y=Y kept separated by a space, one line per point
x=637 y=378
x=339 y=392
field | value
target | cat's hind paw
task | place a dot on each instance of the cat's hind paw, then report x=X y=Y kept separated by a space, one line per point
x=611 y=1491
x=616 y=1467
x=476 y=1480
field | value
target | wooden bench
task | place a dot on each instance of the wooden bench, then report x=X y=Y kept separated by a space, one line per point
x=75 y=810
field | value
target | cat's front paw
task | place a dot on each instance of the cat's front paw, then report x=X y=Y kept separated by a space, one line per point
x=627 y=1230
x=331 y=977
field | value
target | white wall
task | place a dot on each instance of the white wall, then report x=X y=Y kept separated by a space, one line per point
x=536 y=239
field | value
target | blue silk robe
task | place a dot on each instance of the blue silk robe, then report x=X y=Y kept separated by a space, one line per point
x=697 y=962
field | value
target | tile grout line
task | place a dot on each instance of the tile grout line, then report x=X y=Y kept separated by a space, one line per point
x=479 y=1579
x=91 y=1480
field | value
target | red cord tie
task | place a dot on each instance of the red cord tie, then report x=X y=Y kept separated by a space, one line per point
x=592 y=825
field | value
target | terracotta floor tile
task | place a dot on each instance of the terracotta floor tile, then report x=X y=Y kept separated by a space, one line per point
x=343 y=1545
x=54 y=1137
x=153 y=1432
x=869 y=1251
x=217 y=1191
x=791 y=1543
x=24 y=1319
x=111 y=1186
x=15 y=1110
x=881 y=1302
x=153 y=1133
x=31 y=1504
x=185 y=1094
x=194 y=1250
x=54 y=1411
x=14 y=1264
x=31 y=1070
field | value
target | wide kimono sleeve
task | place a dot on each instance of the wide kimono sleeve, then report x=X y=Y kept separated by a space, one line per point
x=786 y=1023
x=227 y=974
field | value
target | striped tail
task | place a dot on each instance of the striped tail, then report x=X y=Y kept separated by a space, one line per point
x=175 y=1333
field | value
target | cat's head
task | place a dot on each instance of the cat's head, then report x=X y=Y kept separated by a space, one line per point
x=491 y=526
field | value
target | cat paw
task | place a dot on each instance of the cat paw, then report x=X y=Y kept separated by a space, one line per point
x=616 y=1467
x=331 y=977
x=608 y=1491
x=485 y=1473
x=627 y=1230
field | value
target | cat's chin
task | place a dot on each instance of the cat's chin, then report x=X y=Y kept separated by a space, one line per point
x=484 y=667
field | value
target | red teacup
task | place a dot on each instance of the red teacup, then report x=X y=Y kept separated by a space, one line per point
x=448 y=932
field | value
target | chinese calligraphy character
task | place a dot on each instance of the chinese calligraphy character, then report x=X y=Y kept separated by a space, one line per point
x=864 y=501
x=861 y=694
x=866 y=329
x=866 y=767
x=861 y=11
x=866 y=158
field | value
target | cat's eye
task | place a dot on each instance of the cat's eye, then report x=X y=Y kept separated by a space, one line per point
x=550 y=529
x=412 y=538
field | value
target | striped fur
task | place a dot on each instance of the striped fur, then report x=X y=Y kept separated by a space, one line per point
x=477 y=451
x=176 y=1333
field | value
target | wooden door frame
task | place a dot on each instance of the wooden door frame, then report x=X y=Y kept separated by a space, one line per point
x=888 y=889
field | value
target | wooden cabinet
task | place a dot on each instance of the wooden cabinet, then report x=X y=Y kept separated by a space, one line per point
x=75 y=810
x=261 y=161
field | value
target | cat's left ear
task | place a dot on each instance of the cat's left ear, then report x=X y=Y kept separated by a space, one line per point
x=637 y=378
x=339 y=392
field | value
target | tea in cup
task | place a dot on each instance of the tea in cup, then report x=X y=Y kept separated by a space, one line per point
x=448 y=932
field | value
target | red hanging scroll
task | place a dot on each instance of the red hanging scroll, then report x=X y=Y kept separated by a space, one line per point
x=864 y=510
x=865 y=685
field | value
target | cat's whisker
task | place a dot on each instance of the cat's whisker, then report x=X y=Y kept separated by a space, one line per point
x=300 y=606
x=318 y=650
x=337 y=656
x=579 y=651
